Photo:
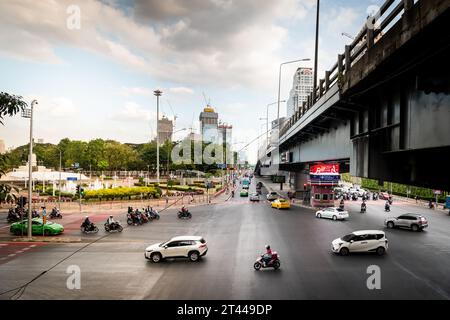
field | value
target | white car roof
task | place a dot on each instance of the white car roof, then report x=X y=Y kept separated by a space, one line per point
x=361 y=232
x=183 y=238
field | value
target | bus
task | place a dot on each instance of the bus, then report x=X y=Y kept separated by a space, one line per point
x=245 y=183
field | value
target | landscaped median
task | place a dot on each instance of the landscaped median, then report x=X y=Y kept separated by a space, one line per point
x=123 y=193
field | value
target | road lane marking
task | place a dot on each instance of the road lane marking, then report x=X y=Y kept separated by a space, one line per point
x=24 y=249
x=11 y=255
x=3 y=244
x=430 y=284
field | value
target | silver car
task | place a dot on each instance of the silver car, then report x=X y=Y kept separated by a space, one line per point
x=254 y=197
x=413 y=221
x=272 y=196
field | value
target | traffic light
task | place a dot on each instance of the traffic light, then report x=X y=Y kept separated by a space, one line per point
x=82 y=192
x=78 y=189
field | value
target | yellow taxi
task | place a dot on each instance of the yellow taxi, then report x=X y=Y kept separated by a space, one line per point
x=281 y=204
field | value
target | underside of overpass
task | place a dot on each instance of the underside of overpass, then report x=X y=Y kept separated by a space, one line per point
x=391 y=120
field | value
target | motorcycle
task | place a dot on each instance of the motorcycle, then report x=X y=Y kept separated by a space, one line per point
x=387 y=208
x=134 y=218
x=363 y=209
x=92 y=228
x=184 y=215
x=34 y=214
x=273 y=263
x=341 y=206
x=13 y=216
x=153 y=214
x=113 y=227
x=55 y=214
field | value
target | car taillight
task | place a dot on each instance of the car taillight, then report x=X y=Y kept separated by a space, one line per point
x=202 y=245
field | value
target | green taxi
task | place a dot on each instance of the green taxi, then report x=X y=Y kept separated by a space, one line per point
x=37 y=227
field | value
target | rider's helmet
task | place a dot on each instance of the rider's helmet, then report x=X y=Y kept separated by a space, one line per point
x=267 y=247
x=111 y=216
x=86 y=217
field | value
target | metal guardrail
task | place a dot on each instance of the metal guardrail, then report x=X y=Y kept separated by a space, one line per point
x=365 y=39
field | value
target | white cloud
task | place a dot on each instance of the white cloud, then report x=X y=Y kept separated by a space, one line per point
x=132 y=112
x=181 y=90
x=192 y=42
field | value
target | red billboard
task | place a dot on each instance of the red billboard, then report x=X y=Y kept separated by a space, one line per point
x=324 y=169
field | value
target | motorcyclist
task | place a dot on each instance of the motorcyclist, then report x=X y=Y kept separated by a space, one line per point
x=86 y=223
x=387 y=206
x=430 y=204
x=232 y=193
x=363 y=206
x=110 y=220
x=267 y=256
x=341 y=204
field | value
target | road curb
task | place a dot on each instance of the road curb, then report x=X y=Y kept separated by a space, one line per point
x=47 y=239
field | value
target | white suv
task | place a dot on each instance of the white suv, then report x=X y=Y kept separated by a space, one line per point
x=361 y=241
x=192 y=247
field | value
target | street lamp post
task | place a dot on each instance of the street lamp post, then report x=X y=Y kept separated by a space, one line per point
x=279 y=86
x=29 y=114
x=316 y=48
x=60 y=169
x=148 y=175
x=157 y=93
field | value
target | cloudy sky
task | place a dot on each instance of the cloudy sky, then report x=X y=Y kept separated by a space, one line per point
x=97 y=80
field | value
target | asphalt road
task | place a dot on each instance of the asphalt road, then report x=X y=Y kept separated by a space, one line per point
x=114 y=267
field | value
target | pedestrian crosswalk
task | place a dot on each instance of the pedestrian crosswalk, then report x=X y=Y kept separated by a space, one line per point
x=11 y=250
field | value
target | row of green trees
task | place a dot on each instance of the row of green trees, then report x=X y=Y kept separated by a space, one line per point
x=398 y=189
x=108 y=155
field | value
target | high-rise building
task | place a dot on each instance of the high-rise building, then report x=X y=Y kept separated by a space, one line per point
x=2 y=147
x=302 y=86
x=165 y=130
x=208 y=125
x=225 y=133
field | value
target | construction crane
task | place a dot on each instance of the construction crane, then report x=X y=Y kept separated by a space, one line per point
x=174 y=115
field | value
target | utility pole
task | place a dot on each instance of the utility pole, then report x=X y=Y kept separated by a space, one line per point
x=28 y=113
x=316 y=49
x=60 y=169
x=157 y=93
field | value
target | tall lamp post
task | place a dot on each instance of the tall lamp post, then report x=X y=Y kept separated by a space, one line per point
x=157 y=93
x=279 y=86
x=28 y=113
x=316 y=48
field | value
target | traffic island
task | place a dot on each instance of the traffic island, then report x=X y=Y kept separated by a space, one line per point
x=48 y=239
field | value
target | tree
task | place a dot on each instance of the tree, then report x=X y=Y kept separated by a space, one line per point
x=10 y=105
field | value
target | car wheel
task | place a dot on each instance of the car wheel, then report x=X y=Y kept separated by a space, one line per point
x=380 y=251
x=194 y=256
x=319 y=215
x=390 y=225
x=344 y=251
x=257 y=266
x=415 y=227
x=156 y=257
x=334 y=218
x=46 y=232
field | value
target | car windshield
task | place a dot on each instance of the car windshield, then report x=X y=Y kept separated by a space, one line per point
x=164 y=243
x=281 y=200
x=348 y=237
